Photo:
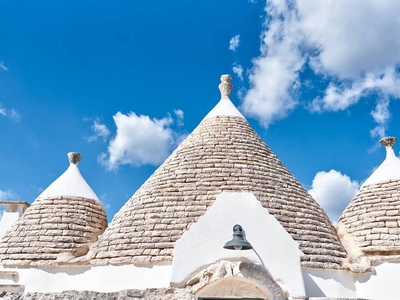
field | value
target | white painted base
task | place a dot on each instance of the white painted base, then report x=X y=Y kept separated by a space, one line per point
x=329 y=283
x=382 y=284
x=100 y=279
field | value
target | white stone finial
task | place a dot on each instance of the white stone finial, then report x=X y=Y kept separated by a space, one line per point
x=388 y=141
x=225 y=86
x=74 y=157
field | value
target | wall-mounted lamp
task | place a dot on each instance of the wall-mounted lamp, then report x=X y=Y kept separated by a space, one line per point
x=238 y=241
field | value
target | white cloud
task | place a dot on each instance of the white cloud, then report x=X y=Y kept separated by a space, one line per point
x=274 y=76
x=340 y=97
x=180 y=115
x=3 y=67
x=355 y=45
x=381 y=115
x=333 y=191
x=140 y=140
x=12 y=114
x=7 y=195
x=234 y=42
x=352 y=37
x=99 y=131
x=238 y=70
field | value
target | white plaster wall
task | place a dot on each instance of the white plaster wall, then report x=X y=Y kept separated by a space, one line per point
x=273 y=246
x=329 y=283
x=7 y=221
x=383 y=284
x=101 y=279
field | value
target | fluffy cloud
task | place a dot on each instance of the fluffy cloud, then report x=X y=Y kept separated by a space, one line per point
x=351 y=37
x=274 y=76
x=140 y=140
x=99 y=131
x=234 y=42
x=12 y=114
x=352 y=44
x=340 y=97
x=333 y=191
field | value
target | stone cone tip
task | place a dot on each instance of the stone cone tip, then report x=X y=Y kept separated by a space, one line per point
x=74 y=157
x=388 y=141
x=225 y=86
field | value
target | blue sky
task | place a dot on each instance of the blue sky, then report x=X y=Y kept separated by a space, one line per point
x=124 y=82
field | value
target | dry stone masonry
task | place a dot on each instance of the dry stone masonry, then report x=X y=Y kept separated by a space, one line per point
x=222 y=154
x=50 y=228
x=55 y=229
x=373 y=218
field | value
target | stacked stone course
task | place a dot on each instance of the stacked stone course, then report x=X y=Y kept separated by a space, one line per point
x=50 y=227
x=373 y=218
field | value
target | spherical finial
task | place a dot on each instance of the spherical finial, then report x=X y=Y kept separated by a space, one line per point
x=74 y=157
x=388 y=141
x=225 y=86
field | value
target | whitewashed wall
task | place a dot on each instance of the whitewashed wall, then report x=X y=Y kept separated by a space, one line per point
x=273 y=247
x=381 y=284
x=100 y=279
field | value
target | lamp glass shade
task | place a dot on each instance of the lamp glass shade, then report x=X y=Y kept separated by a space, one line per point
x=238 y=241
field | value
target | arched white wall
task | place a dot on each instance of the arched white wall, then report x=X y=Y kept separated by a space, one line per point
x=273 y=246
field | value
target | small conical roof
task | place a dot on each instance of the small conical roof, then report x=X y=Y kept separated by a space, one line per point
x=64 y=220
x=223 y=153
x=70 y=183
x=389 y=169
x=373 y=217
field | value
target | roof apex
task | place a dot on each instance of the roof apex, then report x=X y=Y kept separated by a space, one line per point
x=389 y=169
x=70 y=183
x=225 y=107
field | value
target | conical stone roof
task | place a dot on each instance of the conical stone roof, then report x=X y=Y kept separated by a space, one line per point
x=223 y=153
x=373 y=216
x=65 y=219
